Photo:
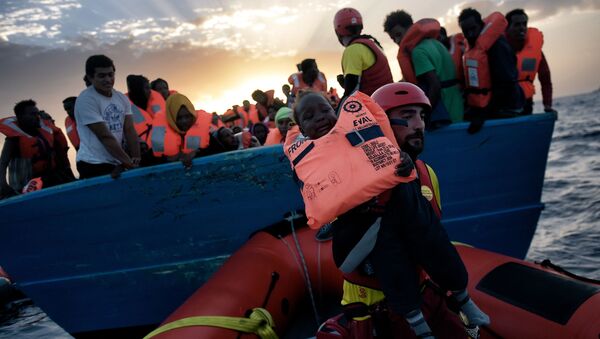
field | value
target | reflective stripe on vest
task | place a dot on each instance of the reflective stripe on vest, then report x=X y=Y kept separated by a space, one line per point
x=158 y=138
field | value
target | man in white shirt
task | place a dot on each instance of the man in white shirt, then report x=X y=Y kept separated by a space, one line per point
x=104 y=120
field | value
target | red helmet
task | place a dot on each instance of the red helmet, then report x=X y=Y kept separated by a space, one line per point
x=346 y=17
x=400 y=94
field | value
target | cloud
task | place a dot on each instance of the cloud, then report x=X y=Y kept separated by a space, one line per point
x=34 y=23
x=258 y=30
x=537 y=10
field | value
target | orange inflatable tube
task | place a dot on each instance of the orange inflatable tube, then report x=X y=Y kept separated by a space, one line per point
x=525 y=300
x=266 y=272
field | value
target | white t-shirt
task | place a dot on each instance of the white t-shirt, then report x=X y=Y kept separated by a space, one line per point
x=92 y=107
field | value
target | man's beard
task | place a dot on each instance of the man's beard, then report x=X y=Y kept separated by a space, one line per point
x=413 y=151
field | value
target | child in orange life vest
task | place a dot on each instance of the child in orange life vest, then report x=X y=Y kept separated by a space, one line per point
x=409 y=234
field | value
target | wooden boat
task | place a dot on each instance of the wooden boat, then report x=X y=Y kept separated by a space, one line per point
x=138 y=246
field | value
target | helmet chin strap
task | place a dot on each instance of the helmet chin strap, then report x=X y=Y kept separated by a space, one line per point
x=399 y=122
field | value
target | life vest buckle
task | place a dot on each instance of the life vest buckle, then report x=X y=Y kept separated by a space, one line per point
x=360 y=137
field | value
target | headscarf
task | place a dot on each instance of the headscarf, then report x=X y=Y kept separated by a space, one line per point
x=174 y=103
x=283 y=113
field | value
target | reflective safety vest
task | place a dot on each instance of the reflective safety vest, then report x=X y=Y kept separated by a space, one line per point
x=458 y=44
x=166 y=141
x=423 y=29
x=320 y=84
x=251 y=115
x=528 y=61
x=478 y=83
x=348 y=166
x=428 y=189
x=377 y=75
x=142 y=118
x=274 y=137
x=41 y=154
x=71 y=127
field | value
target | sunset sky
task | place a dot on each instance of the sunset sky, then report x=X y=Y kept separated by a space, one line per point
x=218 y=52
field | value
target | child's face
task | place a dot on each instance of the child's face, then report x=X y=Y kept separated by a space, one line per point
x=315 y=116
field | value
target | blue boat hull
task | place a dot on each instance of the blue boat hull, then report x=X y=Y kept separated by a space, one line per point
x=102 y=253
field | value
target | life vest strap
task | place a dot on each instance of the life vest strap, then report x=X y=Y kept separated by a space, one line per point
x=473 y=90
x=449 y=83
x=259 y=322
x=303 y=154
x=359 y=137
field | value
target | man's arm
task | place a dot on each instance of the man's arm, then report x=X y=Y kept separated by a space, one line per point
x=506 y=93
x=430 y=84
x=7 y=155
x=350 y=84
x=133 y=143
x=424 y=70
x=546 y=82
x=110 y=143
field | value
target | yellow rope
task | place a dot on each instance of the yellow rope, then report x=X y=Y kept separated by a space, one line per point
x=259 y=322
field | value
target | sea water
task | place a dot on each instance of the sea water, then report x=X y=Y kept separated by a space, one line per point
x=568 y=232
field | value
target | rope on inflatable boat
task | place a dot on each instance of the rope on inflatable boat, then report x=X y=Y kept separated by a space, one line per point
x=259 y=322
x=295 y=215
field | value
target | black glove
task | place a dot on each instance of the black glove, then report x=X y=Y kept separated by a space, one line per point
x=406 y=165
x=476 y=125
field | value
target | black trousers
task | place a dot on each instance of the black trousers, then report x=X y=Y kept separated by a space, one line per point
x=87 y=170
x=411 y=234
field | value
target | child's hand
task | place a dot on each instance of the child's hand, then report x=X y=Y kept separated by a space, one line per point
x=406 y=165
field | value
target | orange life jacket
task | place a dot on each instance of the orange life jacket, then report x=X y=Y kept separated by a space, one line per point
x=478 y=82
x=30 y=147
x=274 y=137
x=231 y=118
x=377 y=75
x=251 y=115
x=528 y=61
x=458 y=44
x=351 y=164
x=427 y=188
x=142 y=118
x=320 y=84
x=423 y=29
x=34 y=184
x=166 y=141
x=71 y=127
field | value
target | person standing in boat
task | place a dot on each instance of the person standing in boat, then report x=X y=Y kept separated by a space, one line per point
x=409 y=232
x=309 y=77
x=364 y=65
x=104 y=121
x=531 y=61
x=32 y=151
x=490 y=69
x=426 y=62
